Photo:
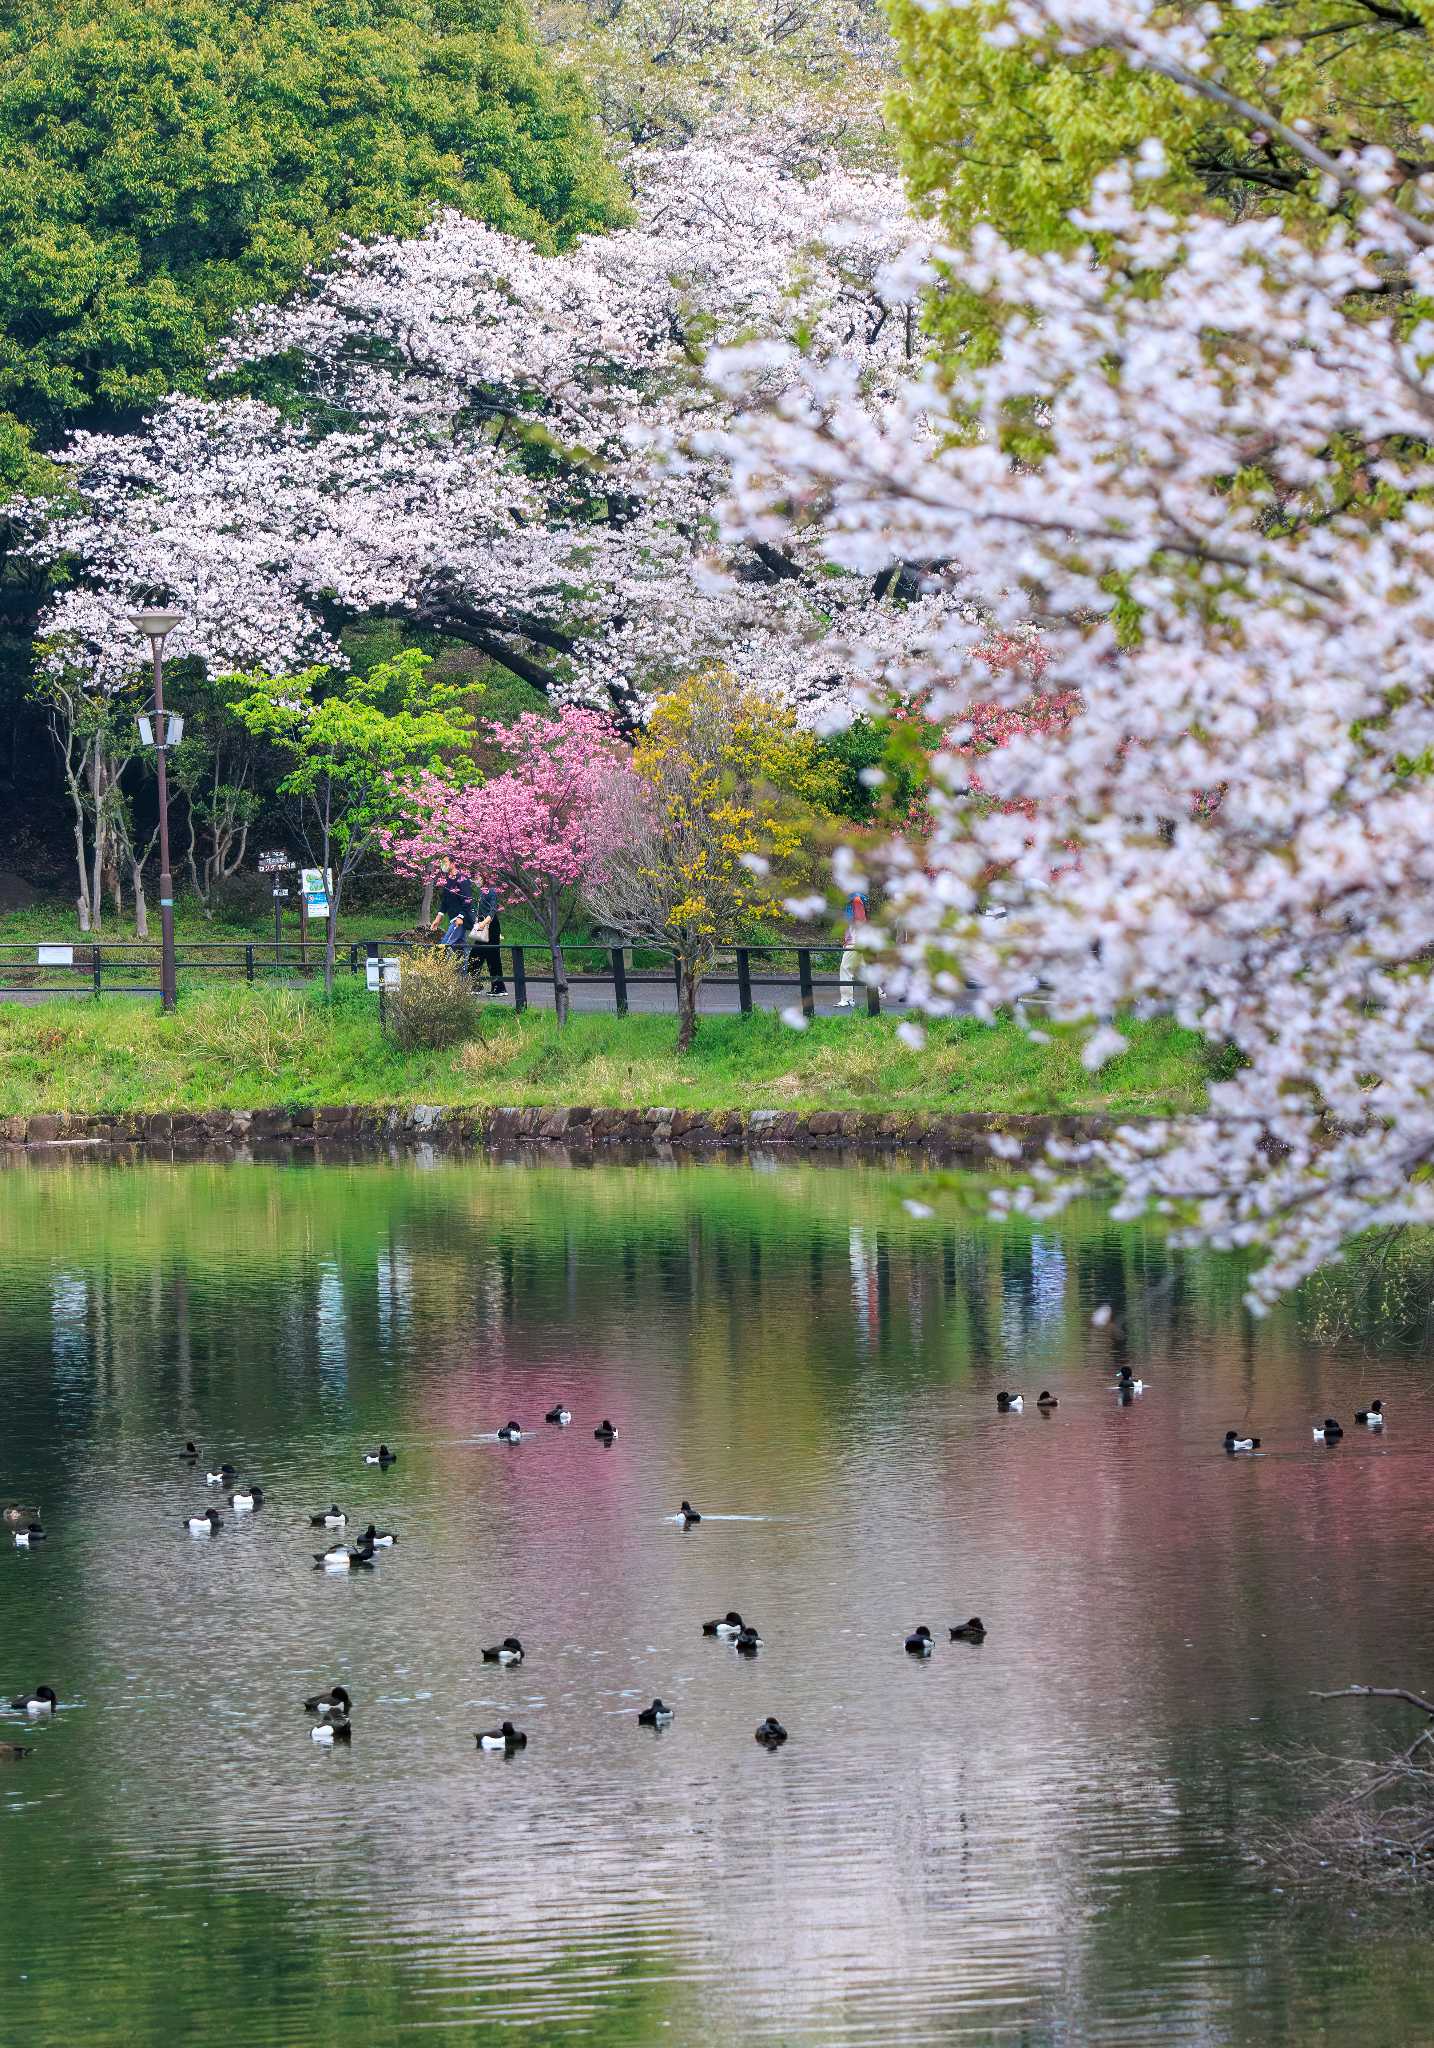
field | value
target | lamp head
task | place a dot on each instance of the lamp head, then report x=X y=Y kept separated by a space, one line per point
x=155 y=625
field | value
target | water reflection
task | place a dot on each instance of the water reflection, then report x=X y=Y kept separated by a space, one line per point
x=1043 y=1838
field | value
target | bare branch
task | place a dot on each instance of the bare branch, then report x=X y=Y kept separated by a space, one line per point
x=1378 y=1692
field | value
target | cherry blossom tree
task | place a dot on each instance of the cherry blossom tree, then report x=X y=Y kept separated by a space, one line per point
x=1199 y=465
x=537 y=833
x=515 y=448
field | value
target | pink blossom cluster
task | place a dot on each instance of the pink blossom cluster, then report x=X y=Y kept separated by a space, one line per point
x=539 y=827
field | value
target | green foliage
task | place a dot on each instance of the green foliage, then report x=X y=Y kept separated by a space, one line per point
x=163 y=166
x=355 y=744
x=876 y=744
x=433 y=1006
x=494 y=694
x=1014 y=137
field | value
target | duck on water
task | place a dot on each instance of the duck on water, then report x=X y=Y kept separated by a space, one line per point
x=335 y=1701
x=507 y=1739
x=509 y=1651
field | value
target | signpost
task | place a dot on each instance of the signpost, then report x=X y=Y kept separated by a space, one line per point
x=314 y=886
x=278 y=864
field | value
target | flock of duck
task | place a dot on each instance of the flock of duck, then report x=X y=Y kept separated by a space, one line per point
x=332 y=1710
x=1127 y=1386
x=1329 y=1431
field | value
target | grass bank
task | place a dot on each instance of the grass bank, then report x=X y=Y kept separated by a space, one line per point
x=243 y=1048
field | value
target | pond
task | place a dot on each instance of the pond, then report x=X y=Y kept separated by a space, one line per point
x=1050 y=1837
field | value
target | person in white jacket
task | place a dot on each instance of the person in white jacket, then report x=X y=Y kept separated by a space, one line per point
x=856 y=913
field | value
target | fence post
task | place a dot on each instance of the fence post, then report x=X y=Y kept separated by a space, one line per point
x=248 y=963
x=95 y=967
x=873 y=1000
x=520 y=979
x=619 y=980
x=804 y=976
x=744 y=981
x=353 y=959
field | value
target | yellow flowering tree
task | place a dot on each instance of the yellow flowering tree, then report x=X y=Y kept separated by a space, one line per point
x=715 y=826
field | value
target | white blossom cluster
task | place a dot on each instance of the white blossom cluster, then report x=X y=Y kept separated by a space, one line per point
x=476 y=436
x=1228 y=545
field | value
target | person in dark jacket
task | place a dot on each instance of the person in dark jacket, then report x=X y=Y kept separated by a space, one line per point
x=455 y=912
x=485 y=958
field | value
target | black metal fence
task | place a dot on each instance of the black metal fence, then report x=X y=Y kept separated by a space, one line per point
x=747 y=969
x=762 y=976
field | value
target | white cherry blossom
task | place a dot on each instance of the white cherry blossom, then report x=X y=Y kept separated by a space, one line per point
x=1238 y=825
x=516 y=448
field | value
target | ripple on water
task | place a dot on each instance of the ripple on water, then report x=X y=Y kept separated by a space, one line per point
x=1038 y=1839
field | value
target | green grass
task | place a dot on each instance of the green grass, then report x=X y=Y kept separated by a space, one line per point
x=57 y=921
x=243 y=1048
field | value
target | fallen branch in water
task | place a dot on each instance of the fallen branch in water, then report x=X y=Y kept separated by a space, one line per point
x=1377 y=1692
x=1379 y=1831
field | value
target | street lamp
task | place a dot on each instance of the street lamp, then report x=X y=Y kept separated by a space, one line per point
x=161 y=730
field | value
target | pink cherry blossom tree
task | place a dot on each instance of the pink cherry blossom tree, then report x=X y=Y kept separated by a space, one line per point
x=538 y=832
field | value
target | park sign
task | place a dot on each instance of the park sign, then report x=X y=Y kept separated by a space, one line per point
x=314 y=886
x=278 y=863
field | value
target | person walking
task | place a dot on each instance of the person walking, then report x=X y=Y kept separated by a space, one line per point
x=856 y=914
x=487 y=938
x=455 y=912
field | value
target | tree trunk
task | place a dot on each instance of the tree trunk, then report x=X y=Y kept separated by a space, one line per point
x=426 y=913
x=560 y=979
x=190 y=855
x=332 y=939
x=82 y=901
x=97 y=899
x=686 y=1009
x=141 y=908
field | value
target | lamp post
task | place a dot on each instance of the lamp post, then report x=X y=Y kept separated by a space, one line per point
x=161 y=731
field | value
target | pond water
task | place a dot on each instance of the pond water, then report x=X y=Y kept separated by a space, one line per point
x=1045 y=1839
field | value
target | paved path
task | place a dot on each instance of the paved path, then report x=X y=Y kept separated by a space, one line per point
x=652 y=997
x=658 y=997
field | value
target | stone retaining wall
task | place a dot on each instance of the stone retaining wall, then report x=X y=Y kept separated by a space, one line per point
x=578 y=1131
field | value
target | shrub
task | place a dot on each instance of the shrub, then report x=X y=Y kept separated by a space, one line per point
x=432 y=1006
